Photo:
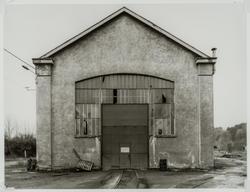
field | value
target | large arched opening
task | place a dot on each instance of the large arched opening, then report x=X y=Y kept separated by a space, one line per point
x=124 y=110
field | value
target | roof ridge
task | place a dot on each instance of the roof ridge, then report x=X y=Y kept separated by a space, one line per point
x=134 y=15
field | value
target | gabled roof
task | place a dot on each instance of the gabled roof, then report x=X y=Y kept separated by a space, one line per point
x=134 y=15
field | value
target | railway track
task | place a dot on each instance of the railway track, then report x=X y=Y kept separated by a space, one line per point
x=124 y=179
x=130 y=179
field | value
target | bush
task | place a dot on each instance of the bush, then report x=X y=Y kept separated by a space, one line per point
x=15 y=147
x=231 y=139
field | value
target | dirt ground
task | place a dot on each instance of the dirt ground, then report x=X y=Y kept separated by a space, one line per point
x=228 y=173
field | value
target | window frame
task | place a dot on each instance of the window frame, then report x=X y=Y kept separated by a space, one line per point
x=120 y=100
x=89 y=134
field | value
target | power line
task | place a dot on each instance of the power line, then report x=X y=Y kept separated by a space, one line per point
x=23 y=66
x=28 y=69
x=18 y=58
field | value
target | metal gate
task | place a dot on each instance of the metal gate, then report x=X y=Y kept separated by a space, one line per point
x=124 y=136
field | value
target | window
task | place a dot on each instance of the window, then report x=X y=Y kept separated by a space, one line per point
x=124 y=89
x=162 y=112
x=162 y=96
x=87 y=120
x=87 y=95
x=162 y=119
x=114 y=96
x=133 y=95
x=107 y=96
x=125 y=96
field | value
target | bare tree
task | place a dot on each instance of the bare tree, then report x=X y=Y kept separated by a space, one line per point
x=9 y=128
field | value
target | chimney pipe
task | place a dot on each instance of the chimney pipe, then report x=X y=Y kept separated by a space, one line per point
x=214 y=52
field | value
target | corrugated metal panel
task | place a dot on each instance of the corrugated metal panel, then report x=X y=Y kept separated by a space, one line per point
x=132 y=96
x=87 y=95
x=77 y=95
x=130 y=81
x=131 y=89
x=88 y=118
x=125 y=82
x=107 y=96
x=139 y=82
x=124 y=95
x=120 y=81
x=155 y=83
x=109 y=83
x=134 y=81
x=148 y=82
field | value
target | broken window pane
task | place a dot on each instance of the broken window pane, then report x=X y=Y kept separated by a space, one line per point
x=159 y=124
x=161 y=119
x=77 y=127
x=114 y=96
x=84 y=126
x=78 y=111
x=167 y=126
x=87 y=119
x=162 y=95
x=160 y=100
x=162 y=111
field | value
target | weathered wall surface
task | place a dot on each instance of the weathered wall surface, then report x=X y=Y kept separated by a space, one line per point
x=43 y=95
x=127 y=46
x=206 y=121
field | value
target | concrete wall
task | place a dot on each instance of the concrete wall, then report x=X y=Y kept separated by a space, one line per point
x=127 y=46
x=206 y=117
x=43 y=109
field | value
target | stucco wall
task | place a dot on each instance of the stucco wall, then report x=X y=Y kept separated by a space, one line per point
x=206 y=121
x=43 y=109
x=125 y=45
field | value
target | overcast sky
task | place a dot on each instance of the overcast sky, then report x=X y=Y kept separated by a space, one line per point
x=32 y=30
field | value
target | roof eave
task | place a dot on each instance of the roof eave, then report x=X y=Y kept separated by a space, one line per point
x=202 y=60
x=42 y=61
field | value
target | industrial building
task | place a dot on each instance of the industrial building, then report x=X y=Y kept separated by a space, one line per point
x=124 y=94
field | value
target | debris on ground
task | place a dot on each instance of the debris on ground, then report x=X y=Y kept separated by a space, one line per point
x=231 y=155
x=232 y=175
x=194 y=182
x=59 y=174
x=83 y=164
x=187 y=170
x=31 y=164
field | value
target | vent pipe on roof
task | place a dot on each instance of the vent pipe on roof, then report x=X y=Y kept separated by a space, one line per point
x=214 y=52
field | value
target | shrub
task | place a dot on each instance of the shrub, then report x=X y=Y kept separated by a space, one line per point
x=15 y=146
x=231 y=139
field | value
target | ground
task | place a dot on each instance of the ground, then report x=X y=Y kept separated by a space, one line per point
x=228 y=173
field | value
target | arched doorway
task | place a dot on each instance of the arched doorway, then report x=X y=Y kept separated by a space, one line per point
x=124 y=110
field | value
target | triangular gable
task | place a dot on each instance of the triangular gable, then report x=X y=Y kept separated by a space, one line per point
x=134 y=15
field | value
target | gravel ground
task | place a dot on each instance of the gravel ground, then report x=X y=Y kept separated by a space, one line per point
x=228 y=173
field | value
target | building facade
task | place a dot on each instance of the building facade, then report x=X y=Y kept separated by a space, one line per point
x=125 y=94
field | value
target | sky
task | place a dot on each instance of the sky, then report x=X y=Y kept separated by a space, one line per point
x=32 y=30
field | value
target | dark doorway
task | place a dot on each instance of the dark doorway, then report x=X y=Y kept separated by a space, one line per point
x=124 y=136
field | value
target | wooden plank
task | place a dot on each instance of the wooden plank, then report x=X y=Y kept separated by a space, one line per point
x=77 y=127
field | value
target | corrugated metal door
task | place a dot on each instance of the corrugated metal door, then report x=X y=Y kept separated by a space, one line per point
x=125 y=134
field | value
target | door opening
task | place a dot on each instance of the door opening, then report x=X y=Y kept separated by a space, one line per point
x=124 y=136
